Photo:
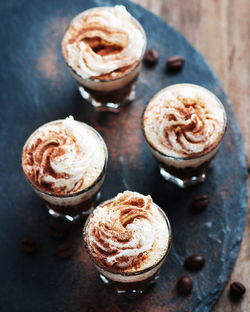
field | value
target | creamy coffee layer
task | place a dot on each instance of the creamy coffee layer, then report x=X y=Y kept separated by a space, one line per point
x=184 y=121
x=127 y=233
x=103 y=43
x=63 y=157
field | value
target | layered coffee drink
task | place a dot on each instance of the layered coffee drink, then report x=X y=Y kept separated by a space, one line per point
x=65 y=162
x=128 y=237
x=103 y=48
x=183 y=125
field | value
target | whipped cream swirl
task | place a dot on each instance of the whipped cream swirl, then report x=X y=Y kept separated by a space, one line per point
x=184 y=120
x=127 y=233
x=102 y=40
x=63 y=157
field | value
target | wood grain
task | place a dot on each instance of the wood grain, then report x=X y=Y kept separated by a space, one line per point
x=220 y=31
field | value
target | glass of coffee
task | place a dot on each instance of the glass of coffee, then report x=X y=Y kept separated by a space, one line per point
x=128 y=238
x=103 y=48
x=184 y=125
x=65 y=163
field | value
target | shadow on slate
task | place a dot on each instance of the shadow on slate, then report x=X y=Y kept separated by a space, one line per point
x=37 y=88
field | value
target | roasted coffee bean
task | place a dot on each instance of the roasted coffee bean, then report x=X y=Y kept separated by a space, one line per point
x=65 y=251
x=151 y=57
x=57 y=231
x=28 y=246
x=200 y=202
x=184 y=285
x=194 y=262
x=175 y=62
x=237 y=290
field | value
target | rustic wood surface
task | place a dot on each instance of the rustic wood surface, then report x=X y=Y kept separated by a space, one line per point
x=220 y=31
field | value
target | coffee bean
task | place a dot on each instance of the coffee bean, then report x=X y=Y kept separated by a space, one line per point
x=151 y=57
x=194 y=262
x=57 y=231
x=175 y=62
x=28 y=245
x=237 y=290
x=200 y=202
x=65 y=251
x=184 y=285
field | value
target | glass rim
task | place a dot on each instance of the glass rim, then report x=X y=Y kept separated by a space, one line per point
x=136 y=63
x=137 y=272
x=186 y=157
x=100 y=176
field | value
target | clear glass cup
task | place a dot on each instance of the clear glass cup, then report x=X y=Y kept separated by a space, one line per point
x=186 y=171
x=130 y=283
x=110 y=94
x=73 y=206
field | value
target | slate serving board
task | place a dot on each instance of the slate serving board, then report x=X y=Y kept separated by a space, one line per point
x=36 y=87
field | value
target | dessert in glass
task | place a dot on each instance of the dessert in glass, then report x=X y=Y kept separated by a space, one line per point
x=103 y=48
x=184 y=125
x=128 y=238
x=65 y=163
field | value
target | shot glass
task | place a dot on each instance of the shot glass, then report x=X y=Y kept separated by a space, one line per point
x=109 y=94
x=188 y=170
x=72 y=207
x=69 y=206
x=133 y=283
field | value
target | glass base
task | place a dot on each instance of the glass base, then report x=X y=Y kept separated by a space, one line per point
x=68 y=217
x=130 y=289
x=108 y=106
x=182 y=183
x=75 y=218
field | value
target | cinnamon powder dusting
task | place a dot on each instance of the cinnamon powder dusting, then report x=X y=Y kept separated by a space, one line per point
x=122 y=133
x=48 y=62
x=131 y=145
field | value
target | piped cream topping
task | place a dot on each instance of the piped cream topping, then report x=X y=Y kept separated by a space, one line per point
x=184 y=120
x=102 y=40
x=127 y=234
x=63 y=156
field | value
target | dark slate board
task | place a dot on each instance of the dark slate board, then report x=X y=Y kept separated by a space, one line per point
x=37 y=88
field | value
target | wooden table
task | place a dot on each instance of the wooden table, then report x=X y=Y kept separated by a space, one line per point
x=220 y=31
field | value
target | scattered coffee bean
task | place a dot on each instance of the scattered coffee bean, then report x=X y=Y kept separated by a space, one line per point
x=65 y=251
x=175 y=62
x=28 y=246
x=237 y=290
x=151 y=57
x=57 y=231
x=194 y=262
x=184 y=285
x=200 y=202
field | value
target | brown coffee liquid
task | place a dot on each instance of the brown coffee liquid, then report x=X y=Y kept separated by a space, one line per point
x=187 y=172
x=135 y=287
x=115 y=96
x=73 y=210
